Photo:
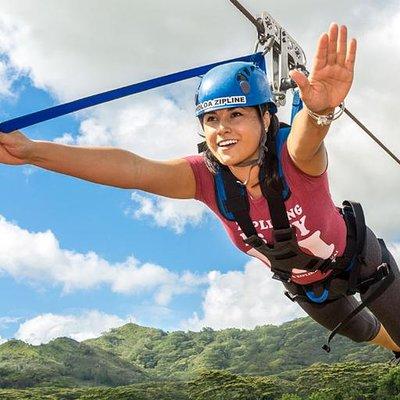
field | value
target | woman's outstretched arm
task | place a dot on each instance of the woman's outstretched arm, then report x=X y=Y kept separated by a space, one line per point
x=327 y=86
x=107 y=166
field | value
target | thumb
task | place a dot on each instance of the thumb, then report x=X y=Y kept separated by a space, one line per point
x=302 y=83
x=3 y=137
x=10 y=137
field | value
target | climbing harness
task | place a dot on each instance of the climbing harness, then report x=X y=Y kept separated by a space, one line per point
x=286 y=54
x=284 y=254
x=243 y=84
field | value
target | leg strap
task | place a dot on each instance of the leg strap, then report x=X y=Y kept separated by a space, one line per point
x=383 y=274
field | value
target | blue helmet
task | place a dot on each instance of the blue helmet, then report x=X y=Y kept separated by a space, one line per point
x=235 y=84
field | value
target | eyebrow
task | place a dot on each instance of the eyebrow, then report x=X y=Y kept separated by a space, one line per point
x=231 y=109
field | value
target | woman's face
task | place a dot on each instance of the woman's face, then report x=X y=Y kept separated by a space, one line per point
x=233 y=134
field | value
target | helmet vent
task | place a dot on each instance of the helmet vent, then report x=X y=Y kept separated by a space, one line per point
x=245 y=86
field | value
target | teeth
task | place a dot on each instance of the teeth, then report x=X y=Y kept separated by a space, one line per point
x=227 y=142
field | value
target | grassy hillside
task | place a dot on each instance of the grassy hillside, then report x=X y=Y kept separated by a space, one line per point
x=132 y=354
x=262 y=351
x=343 y=381
x=63 y=362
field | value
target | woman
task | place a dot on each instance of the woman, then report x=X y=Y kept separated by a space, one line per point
x=238 y=127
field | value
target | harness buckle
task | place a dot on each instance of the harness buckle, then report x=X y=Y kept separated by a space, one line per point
x=383 y=270
x=290 y=296
x=381 y=273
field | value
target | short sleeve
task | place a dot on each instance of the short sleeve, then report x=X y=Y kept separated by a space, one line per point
x=297 y=179
x=204 y=179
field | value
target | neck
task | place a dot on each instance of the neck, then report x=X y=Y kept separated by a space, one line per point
x=248 y=176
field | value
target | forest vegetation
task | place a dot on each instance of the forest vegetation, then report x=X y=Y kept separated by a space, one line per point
x=133 y=362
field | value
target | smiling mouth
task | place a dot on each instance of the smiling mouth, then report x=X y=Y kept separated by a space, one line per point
x=226 y=144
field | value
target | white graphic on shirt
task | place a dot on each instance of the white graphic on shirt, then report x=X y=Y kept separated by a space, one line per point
x=313 y=243
x=300 y=225
x=317 y=246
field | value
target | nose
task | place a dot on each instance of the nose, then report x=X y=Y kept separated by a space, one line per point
x=224 y=125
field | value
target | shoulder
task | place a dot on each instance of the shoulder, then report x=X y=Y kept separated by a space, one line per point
x=204 y=178
x=295 y=177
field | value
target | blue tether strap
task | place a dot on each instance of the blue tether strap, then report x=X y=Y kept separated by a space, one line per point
x=317 y=299
x=90 y=101
x=297 y=105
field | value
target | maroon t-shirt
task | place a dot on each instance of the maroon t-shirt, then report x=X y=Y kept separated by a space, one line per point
x=320 y=228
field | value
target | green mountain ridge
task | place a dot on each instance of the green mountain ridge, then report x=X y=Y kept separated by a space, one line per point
x=264 y=350
x=133 y=354
x=63 y=362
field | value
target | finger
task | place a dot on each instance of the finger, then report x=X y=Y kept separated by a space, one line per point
x=351 y=55
x=332 y=45
x=342 y=46
x=302 y=83
x=320 y=58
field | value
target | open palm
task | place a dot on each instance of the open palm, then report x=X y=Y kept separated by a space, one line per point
x=332 y=72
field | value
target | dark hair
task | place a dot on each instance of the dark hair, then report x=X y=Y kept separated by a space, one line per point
x=269 y=157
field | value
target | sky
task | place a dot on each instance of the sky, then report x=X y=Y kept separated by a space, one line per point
x=77 y=259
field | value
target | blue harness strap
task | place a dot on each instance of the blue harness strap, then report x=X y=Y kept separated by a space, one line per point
x=280 y=140
x=90 y=101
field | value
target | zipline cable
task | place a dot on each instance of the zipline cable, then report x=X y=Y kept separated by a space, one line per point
x=259 y=26
x=371 y=135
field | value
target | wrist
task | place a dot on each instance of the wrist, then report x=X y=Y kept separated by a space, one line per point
x=325 y=111
x=325 y=117
x=32 y=152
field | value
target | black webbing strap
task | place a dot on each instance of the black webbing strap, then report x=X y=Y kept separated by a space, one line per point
x=275 y=201
x=354 y=211
x=238 y=203
x=384 y=274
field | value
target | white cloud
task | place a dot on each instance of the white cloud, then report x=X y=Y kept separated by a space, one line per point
x=2 y=340
x=359 y=169
x=74 y=48
x=89 y=324
x=244 y=300
x=155 y=127
x=5 y=321
x=394 y=248
x=37 y=257
x=6 y=79
x=8 y=71
x=170 y=213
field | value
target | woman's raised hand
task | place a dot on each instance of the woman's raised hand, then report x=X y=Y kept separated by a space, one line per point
x=15 y=148
x=332 y=71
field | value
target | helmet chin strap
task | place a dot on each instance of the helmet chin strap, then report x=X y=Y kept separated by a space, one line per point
x=255 y=161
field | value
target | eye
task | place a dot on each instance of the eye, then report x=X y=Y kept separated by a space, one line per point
x=236 y=114
x=209 y=118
